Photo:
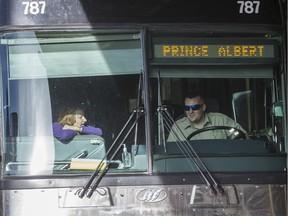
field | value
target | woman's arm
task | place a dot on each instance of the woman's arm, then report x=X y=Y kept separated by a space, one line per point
x=90 y=130
x=63 y=134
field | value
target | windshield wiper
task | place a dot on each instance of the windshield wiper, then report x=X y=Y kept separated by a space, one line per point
x=188 y=151
x=103 y=166
x=139 y=96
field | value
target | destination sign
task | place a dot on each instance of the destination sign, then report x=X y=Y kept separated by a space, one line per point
x=213 y=51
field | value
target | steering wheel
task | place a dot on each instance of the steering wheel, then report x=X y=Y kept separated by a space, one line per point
x=240 y=135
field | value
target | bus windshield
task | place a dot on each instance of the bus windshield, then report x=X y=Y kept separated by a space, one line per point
x=69 y=98
x=217 y=98
x=64 y=91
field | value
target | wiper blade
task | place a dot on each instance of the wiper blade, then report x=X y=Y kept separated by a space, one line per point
x=88 y=188
x=139 y=96
x=189 y=151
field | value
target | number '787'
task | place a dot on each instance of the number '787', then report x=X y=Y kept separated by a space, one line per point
x=249 y=7
x=34 y=7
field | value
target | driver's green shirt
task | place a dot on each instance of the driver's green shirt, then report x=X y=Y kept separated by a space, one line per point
x=211 y=119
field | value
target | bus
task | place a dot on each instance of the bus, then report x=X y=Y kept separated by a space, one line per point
x=128 y=66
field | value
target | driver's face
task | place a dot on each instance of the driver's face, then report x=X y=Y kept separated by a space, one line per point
x=195 y=116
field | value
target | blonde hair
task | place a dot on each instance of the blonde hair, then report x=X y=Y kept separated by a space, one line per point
x=67 y=115
x=69 y=119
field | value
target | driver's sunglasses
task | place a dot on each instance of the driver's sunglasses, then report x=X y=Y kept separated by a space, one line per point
x=193 y=107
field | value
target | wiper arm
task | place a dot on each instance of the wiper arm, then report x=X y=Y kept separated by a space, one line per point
x=187 y=149
x=138 y=105
x=102 y=166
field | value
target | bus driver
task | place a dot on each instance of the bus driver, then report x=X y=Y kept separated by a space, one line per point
x=196 y=118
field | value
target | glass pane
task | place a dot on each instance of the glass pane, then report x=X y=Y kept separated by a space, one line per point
x=69 y=96
x=216 y=118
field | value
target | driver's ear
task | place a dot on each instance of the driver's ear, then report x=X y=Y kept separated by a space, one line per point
x=204 y=107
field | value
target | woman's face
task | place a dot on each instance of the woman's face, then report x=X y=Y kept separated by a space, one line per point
x=80 y=120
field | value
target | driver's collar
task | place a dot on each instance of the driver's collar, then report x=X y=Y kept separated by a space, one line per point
x=206 y=121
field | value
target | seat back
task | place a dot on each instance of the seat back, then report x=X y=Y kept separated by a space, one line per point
x=242 y=105
x=211 y=105
x=89 y=146
x=23 y=149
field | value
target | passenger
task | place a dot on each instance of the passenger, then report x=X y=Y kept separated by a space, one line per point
x=196 y=118
x=72 y=123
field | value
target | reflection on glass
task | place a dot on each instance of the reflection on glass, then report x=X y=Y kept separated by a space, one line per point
x=49 y=72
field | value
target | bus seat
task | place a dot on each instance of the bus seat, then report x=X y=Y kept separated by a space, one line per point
x=85 y=146
x=82 y=146
x=242 y=105
x=177 y=111
x=20 y=149
x=211 y=105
